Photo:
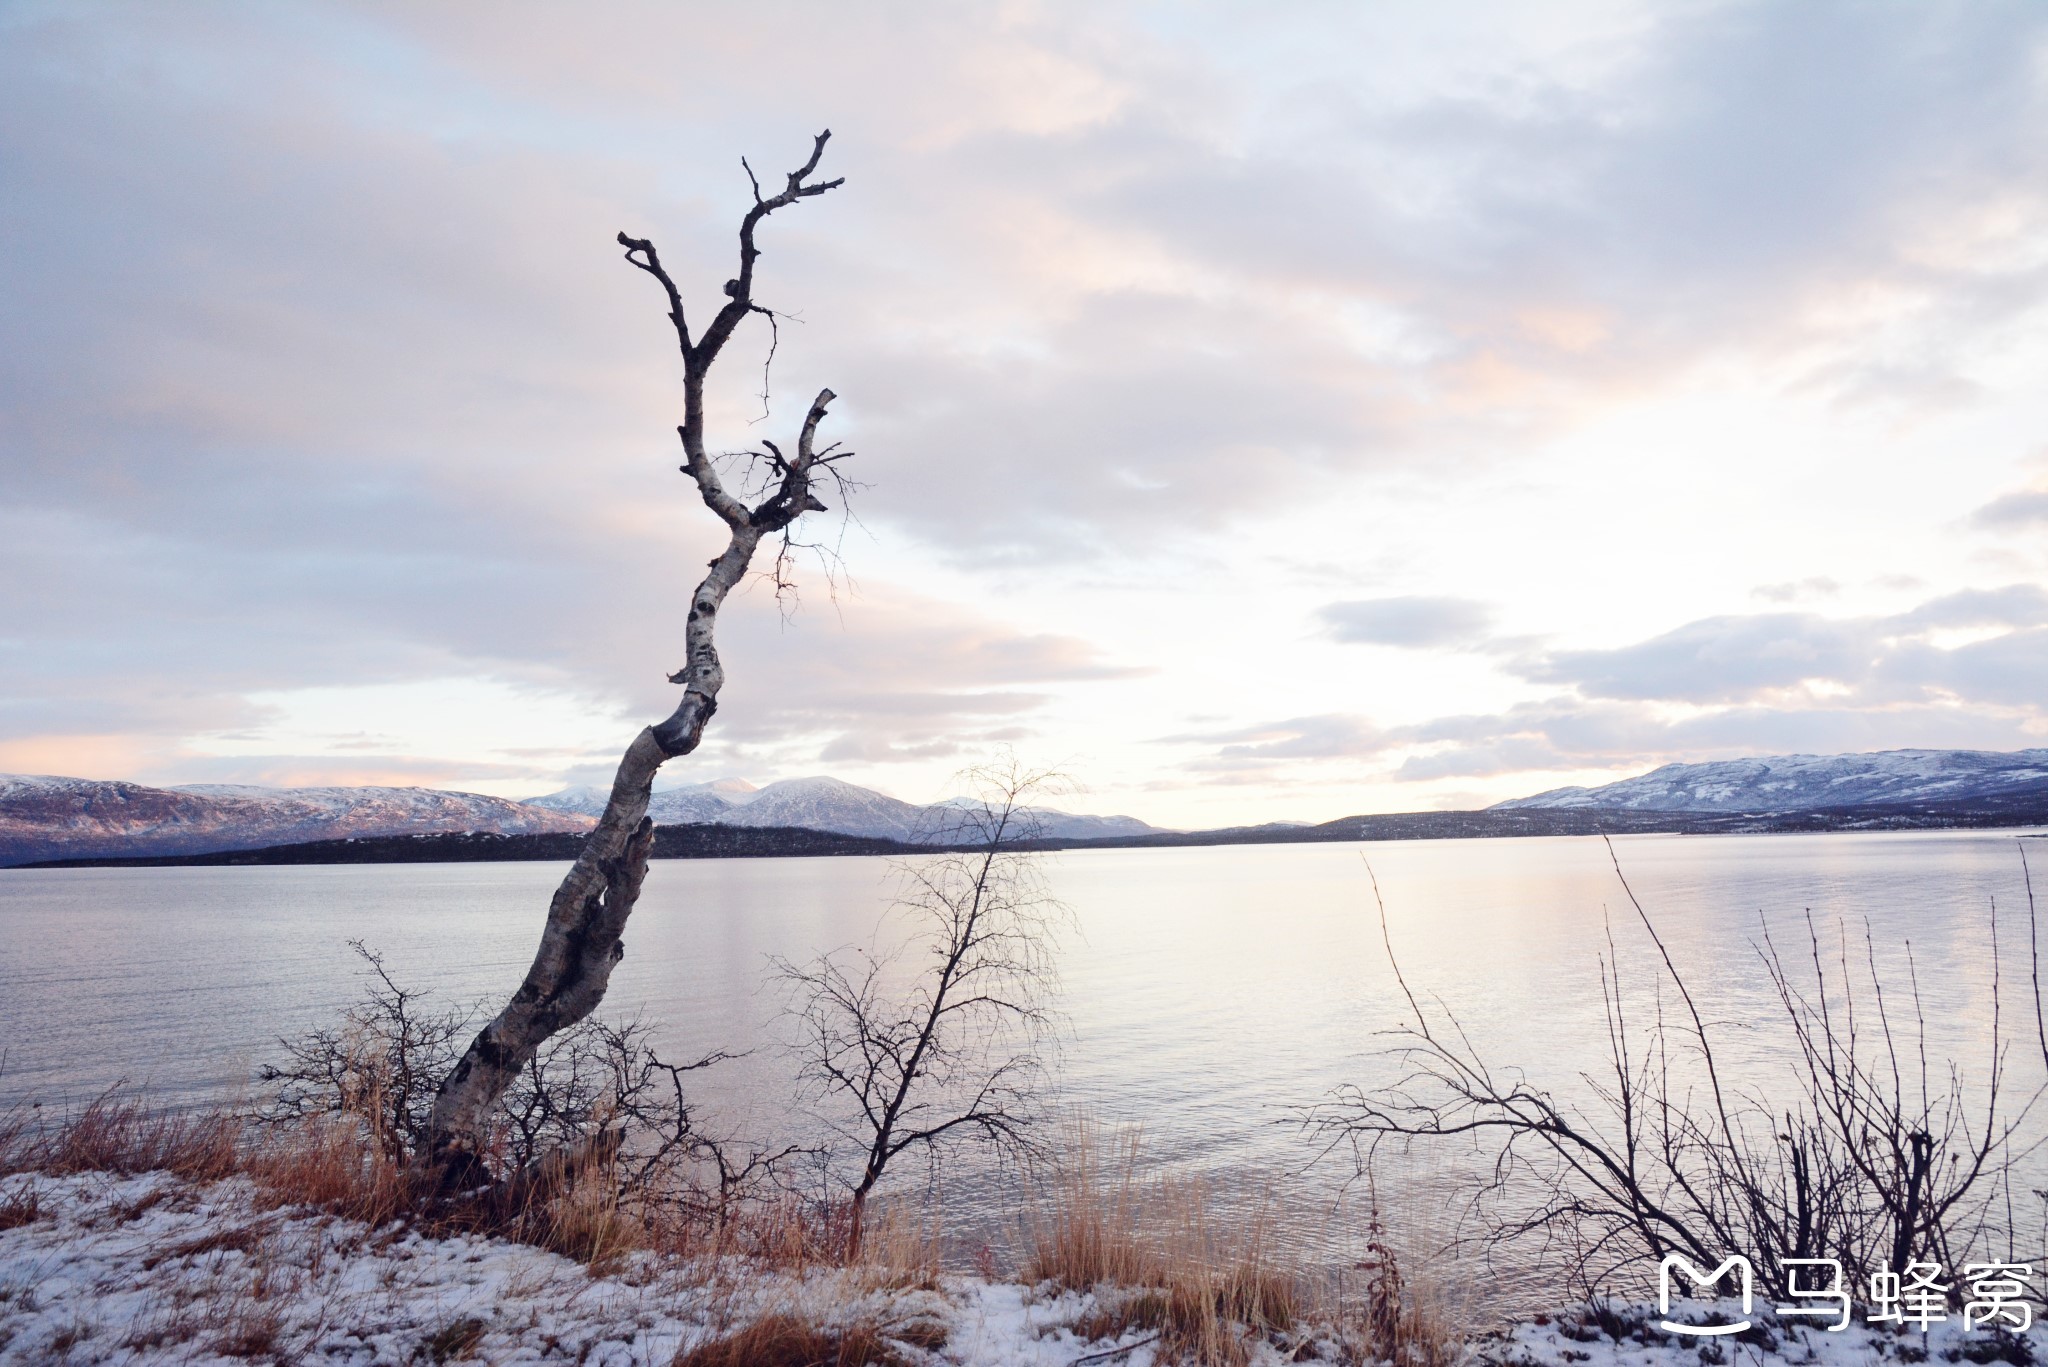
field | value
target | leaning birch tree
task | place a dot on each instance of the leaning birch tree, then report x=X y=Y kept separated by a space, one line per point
x=587 y=918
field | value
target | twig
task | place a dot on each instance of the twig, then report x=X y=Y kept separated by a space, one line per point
x=1113 y=1352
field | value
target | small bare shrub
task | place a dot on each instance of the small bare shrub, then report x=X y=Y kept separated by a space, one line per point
x=379 y=1067
x=598 y=1107
x=952 y=1050
x=1875 y=1155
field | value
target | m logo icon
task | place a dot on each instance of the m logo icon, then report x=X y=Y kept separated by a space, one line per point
x=1703 y=1281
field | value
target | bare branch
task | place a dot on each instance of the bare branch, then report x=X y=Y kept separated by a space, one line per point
x=587 y=918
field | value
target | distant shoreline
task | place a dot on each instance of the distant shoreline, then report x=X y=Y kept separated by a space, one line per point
x=711 y=841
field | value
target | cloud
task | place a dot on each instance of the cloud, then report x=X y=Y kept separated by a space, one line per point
x=336 y=379
x=1508 y=754
x=1414 y=622
x=1330 y=736
x=1745 y=658
x=1718 y=659
x=1571 y=734
x=1114 y=300
x=895 y=676
x=1816 y=586
x=2015 y=605
x=1714 y=688
x=2016 y=511
x=1767 y=683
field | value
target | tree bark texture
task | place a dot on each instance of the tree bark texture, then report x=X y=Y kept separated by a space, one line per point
x=586 y=920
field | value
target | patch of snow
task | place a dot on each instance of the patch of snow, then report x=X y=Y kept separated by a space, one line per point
x=150 y=1269
x=1630 y=1336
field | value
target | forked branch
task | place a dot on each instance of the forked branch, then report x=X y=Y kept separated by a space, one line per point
x=587 y=918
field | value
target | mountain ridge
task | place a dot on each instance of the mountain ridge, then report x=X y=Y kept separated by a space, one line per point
x=823 y=803
x=46 y=816
x=1800 y=782
x=51 y=817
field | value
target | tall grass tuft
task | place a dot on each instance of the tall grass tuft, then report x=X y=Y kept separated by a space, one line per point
x=118 y=1131
x=785 y=1339
x=1161 y=1259
x=330 y=1165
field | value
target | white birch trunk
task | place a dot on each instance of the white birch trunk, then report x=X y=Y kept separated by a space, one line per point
x=587 y=918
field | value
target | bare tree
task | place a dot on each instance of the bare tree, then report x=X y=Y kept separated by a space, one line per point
x=582 y=940
x=1861 y=1152
x=950 y=1049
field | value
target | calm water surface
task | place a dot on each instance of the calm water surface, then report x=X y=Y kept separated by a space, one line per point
x=1208 y=991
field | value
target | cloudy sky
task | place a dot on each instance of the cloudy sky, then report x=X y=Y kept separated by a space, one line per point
x=1265 y=412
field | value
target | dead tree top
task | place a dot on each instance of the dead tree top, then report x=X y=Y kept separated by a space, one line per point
x=791 y=494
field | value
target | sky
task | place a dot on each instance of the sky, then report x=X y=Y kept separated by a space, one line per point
x=1263 y=412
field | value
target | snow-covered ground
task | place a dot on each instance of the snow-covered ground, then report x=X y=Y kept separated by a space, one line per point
x=1628 y=1336
x=99 y=1268
x=150 y=1269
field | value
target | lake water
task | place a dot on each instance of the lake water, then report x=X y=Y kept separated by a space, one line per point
x=1208 y=993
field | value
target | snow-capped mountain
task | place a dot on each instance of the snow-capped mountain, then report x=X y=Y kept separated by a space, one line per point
x=1782 y=783
x=829 y=804
x=45 y=817
x=670 y=806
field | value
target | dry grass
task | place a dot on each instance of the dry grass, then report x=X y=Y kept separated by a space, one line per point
x=232 y=1239
x=22 y=1207
x=583 y=1222
x=1083 y=1232
x=902 y=1248
x=238 y=1305
x=1160 y=1259
x=238 y=1325
x=118 y=1132
x=328 y=1163
x=789 y=1340
x=336 y=1164
x=1157 y=1257
x=783 y=1232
